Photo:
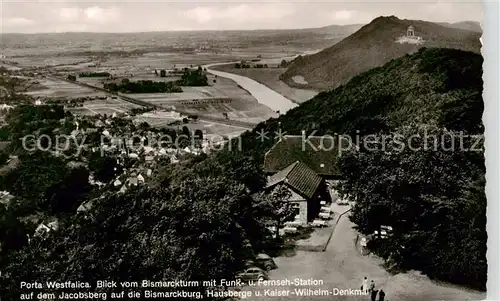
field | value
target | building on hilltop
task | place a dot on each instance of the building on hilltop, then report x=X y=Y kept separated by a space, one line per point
x=410 y=37
x=410 y=32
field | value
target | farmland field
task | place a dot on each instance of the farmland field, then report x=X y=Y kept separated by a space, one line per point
x=58 y=88
x=223 y=96
x=222 y=99
x=39 y=61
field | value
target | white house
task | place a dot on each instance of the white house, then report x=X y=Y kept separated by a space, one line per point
x=140 y=178
x=45 y=228
x=123 y=189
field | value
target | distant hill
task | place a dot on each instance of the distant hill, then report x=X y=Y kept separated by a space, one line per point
x=466 y=25
x=335 y=29
x=371 y=46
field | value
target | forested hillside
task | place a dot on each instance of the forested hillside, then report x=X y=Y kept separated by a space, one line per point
x=433 y=197
x=374 y=45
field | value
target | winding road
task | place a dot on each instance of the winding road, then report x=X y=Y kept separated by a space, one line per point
x=343 y=266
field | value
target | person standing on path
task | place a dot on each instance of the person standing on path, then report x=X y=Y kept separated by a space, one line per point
x=364 y=286
x=381 y=295
x=374 y=295
x=372 y=286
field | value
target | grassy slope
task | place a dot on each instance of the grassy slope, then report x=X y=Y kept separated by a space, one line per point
x=374 y=45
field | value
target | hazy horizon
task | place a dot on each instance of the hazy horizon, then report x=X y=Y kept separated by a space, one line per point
x=208 y=30
x=70 y=16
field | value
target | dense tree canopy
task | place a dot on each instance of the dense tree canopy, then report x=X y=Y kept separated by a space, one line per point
x=432 y=197
x=144 y=86
x=94 y=74
x=197 y=229
x=45 y=182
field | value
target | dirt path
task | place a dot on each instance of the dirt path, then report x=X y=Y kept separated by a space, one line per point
x=342 y=266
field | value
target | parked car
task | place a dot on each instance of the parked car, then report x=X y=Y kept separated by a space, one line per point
x=252 y=274
x=265 y=262
x=319 y=223
x=342 y=202
x=289 y=229
x=324 y=215
x=295 y=224
x=326 y=209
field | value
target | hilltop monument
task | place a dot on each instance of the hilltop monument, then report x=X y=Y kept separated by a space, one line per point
x=410 y=32
x=410 y=37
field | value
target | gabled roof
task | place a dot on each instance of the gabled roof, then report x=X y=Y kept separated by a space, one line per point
x=319 y=153
x=299 y=177
x=85 y=206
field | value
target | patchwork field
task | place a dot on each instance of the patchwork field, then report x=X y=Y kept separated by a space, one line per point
x=107 y=106
x=220 y=98
x=150 y=61
x=58 y=88
x=208 y=128
x=44 y=61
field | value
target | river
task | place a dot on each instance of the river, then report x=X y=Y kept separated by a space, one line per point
x=263 y=94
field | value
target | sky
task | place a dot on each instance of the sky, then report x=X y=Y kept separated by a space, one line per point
x=34 y=16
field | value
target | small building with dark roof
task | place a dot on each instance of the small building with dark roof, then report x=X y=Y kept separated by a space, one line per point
x=307 y=188
x=319 y=153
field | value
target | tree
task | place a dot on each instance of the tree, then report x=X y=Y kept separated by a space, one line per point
x=71 y=77
x=104 y=168
x=198 y=134
x=46 y=183
x=144 y=126
x=276 y=206
x=186 y=131
x=4 y=157
x=425 y=194
x=12 y=231
x=163 y=73
x=200 y=233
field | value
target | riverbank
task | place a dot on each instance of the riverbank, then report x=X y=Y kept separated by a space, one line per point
x=269 y=77
x=263 y=94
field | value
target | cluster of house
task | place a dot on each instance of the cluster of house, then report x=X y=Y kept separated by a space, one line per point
x=132 y=177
